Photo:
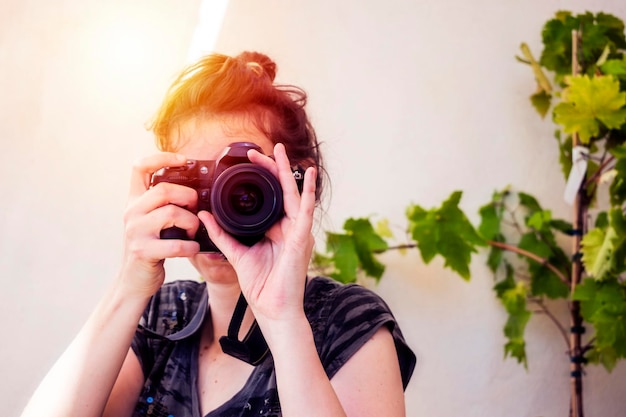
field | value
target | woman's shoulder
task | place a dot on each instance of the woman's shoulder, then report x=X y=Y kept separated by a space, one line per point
x=344 y=317
x=325 y=295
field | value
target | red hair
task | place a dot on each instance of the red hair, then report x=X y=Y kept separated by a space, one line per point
x=244 y=86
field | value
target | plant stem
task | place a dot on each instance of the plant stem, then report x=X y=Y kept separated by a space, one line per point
x=589 y=345
x=501 y=245
x=599 y=172
x=553 y=318
x=530 y=255
x=575 y=351
x=397 y=247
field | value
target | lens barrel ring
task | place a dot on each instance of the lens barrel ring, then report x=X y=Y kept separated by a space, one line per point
x=246 y=200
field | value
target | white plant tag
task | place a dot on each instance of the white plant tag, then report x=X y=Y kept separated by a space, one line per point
x=577 y=174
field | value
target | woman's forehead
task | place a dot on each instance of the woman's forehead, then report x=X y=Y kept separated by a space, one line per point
x=208 y=136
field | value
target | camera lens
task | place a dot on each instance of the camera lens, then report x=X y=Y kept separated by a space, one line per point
x=246 y=200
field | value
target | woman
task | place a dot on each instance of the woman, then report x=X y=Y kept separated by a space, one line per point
x=323 y=348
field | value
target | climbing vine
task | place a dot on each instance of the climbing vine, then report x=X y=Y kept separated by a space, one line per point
x=581 y=82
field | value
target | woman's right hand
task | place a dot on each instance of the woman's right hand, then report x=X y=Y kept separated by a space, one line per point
x=150 y=210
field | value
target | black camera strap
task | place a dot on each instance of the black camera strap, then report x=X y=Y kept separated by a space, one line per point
x=253 y=348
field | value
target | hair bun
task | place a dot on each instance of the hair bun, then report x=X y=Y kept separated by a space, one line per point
x=259 y=63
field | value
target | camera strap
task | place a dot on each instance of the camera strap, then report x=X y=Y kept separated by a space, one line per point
x=253 y=348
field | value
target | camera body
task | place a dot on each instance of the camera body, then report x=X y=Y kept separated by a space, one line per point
x=244 y=198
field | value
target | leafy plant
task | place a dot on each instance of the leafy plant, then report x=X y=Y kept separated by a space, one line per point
x=535 y=258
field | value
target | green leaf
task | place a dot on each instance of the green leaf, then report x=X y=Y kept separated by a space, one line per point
x=541 y=102
x=617 y=189
x=542 y=81
x=427 y=237
x=618 y=223
x=610 y=326
x=565 y=153
x=507 y=283
x=383 y=229
x=542 y=280
x=345 y=257
x=597 y=31
x=597 y=249
x=595 y=295
x=540 y=220
x=619 y=152
x=529 y=202
x=444 y=231
x=606 y=356
x=366 y=243
x=602 y=221
x=615 y=67
x=490 y=225
x=355 y=249
x=513 y=296
x=542 y=98
x=602 y=248
x=589 y=101
x=530 y=242
x=561 y=225
x=603 y=304
x=612 y=29
x=494 y=259
x=557 y=40
x=515 y=347
x=490 y=216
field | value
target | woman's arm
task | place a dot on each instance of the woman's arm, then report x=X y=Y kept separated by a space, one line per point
x=368 y=385
x=80 y=382
x=127 y=388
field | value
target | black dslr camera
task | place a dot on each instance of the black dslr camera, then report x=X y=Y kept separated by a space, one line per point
x=245 y=199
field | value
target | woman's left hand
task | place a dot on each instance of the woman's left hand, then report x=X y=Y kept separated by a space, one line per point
x=272 y=273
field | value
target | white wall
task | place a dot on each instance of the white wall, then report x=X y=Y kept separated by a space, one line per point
x=412 y=99
x=78 y=81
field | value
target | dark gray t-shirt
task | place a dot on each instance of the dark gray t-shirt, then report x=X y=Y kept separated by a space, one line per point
x=343 y=318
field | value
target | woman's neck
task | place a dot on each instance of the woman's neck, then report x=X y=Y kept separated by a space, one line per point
x=222 y=301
